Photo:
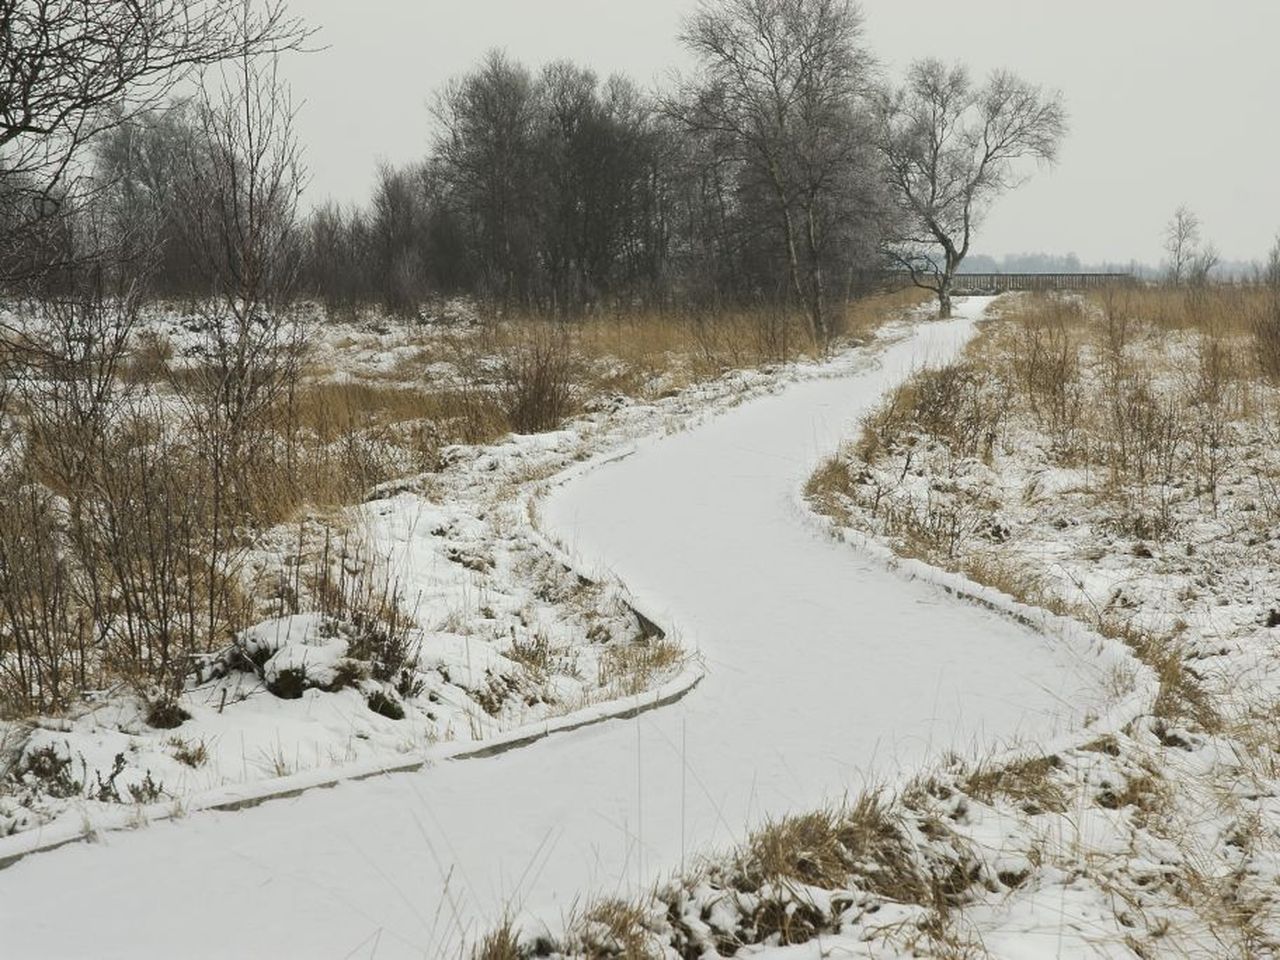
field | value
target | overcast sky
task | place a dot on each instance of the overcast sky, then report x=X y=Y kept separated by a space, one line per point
x=1171 y=101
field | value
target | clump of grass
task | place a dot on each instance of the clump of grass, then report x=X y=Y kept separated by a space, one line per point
x=499 y=944
x=832 y=848
x=1181 y=697
x=534 y=654
x=1143 y=791
x=829 y=487
x=630 y=668
x=191 y=753
x=383 y=704
x=615 y=929
x=1027 y=783
x=1014 y=580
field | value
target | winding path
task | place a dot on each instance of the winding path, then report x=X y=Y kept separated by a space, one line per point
x=824 y=670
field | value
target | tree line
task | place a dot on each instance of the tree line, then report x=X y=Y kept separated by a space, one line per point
x=781 y=169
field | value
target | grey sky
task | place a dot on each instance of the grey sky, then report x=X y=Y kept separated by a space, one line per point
x=1171 y=102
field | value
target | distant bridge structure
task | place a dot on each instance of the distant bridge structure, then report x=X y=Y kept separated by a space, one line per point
x=1002 y=282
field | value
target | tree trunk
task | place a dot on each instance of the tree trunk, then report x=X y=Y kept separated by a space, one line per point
x=789 y=230
x=944 y=296
x=793 y=258
x=817 y=291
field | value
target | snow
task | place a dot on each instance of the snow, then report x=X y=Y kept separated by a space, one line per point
x=825 y=671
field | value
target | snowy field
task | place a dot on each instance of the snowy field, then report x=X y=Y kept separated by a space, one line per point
x=824 y=672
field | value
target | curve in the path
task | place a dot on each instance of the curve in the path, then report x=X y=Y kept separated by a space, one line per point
x=824 y=670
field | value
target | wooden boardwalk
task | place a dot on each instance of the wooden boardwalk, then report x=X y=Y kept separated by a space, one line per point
x=1001 y=282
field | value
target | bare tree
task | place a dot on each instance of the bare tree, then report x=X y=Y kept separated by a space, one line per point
x=139 y=166
x=950 y=148
x=70 y=70
x=240 y=188
x=779 y=85
x=1182 y=244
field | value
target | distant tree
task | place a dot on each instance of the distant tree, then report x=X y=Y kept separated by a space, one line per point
x=950 y=148
x=70 y=70
x=1191 y=260
x=1203 y=264
x=487 y=159
x=139 y=167
x=598 y=148
x=778 y=87
x=398 y=256
x=1271 y=272
x=336 y=265
x=1182 y=243
x=239 y=187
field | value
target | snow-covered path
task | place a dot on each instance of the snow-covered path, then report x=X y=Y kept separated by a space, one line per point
x=824 y=670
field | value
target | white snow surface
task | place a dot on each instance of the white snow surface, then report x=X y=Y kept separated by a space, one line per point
x=825 y=671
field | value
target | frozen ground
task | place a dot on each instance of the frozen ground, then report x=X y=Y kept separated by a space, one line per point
x=824 y=671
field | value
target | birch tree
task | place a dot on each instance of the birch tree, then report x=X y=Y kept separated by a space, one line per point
x=950 y=148
x=779 y=82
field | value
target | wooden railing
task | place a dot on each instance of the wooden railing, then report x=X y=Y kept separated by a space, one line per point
x=1001 y=282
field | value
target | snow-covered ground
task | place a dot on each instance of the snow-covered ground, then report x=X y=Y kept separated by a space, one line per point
x=825 y=671
x=1162 y=839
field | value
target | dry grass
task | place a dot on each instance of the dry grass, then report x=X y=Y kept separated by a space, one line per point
x=614 y=930
x=861 y=844
x=829 y=486
x=1105 y=381
x=1224 y=308
x=631 y=668
x=331 y=411
x=638 y=353
x=522 y=374
x=192 y=753
x=767 y=888
x=1181 y=696
x=1028 y=784
x=499 y=944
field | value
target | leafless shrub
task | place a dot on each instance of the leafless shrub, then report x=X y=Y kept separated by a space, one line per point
x=45 y=641
x=537 y=388
x=177 y=581
x=958 y=404
x=1046 y=365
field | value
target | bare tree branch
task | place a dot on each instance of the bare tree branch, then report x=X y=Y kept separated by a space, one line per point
x=950 y=148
